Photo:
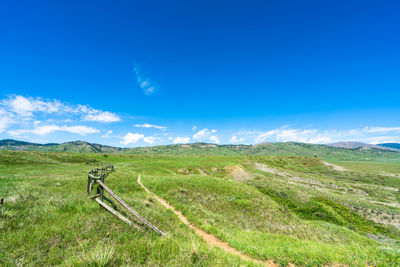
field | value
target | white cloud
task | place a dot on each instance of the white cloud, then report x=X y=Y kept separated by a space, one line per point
x=5 y=120
x=149 y=90
x=181 y=140
x=143 y=82
x=147 y=125
x=107 y=134
x=194 y=128
x=206 y=135
x=295 y=135
x=372 y=135
x=82 y=130
x=25 y=107
x=215 y=139
x=90 y=114
x=17 y=133
x=234 y=139
x=31 y=112
x=47 y=129
x=150 y=139
x=203 y=134
x=101 y=116
x=381 y=129
x=130 y=138
x=384 y=139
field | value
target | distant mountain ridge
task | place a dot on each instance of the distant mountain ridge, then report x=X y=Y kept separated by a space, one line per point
x=339 y=151
x=75 y=146
x=391 y=145
x=352 y=145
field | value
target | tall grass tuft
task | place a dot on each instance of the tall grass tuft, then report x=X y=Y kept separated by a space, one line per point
x=101 y=255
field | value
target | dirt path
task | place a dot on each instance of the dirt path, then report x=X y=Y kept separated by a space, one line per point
x=209 y=238
x=334 y=166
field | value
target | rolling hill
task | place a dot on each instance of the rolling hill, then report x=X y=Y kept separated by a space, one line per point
x=76 y=146
x=361 y=145
x=346 y=151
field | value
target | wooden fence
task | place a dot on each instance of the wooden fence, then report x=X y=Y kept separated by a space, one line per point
x=98 y=175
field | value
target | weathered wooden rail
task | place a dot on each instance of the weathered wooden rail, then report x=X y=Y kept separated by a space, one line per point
x=98 y=175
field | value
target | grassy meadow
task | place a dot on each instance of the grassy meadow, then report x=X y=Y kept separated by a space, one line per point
x=297 y=210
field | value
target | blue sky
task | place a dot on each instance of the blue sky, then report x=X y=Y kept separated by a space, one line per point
x=135 y=73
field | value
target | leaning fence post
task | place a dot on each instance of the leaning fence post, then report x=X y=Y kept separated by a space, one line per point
x=101 y=188
x=88 y=185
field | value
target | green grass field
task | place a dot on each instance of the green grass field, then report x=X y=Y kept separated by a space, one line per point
x=290 y=209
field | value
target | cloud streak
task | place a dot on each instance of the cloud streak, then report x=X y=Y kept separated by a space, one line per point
x=147 y=125
x=47 y=129
x=368 y=134
x=181 y=140
x=148 y=87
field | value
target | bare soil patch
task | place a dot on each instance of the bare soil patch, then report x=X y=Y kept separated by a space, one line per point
x=335 y=167
x=238 y=173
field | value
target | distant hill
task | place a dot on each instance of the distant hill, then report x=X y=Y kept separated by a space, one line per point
x=76 y=146
x=350 y=145
x=274 y=149
x=391 y=145
x=338 y=151
x=15 y=143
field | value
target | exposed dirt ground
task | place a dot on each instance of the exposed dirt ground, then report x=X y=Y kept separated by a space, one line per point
x=238 y=173
x=334 y=166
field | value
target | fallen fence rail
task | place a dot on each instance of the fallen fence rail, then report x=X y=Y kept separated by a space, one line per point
x=98 y=175
x=129 y=208
x=117 y=214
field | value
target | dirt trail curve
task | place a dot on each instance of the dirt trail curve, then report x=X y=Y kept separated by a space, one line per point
x=209 y=238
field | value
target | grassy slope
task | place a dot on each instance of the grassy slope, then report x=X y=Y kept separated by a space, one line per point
x=48 y=218
x=242 y=213
x=312 y=216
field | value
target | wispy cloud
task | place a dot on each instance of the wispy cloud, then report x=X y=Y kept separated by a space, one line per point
x=148 y=86
x=381 y=129
x=47 y=129
x=107 y=134
x=206 y=135
x=5 y=120
x=372 y=135
x=147 y=125
x=297 y=135
x=235 y=139
x=101 y=117
x=181 y=140
x=215 y=139
x=150 y=139
x=90 y=114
